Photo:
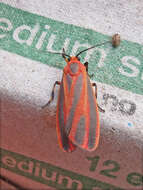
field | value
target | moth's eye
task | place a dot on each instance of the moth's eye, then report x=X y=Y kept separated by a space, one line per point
x=78 y=58
x=69 y=59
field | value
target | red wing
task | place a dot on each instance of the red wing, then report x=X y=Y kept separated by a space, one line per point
x=82 y=124
x=77 y=114
x=64 y=142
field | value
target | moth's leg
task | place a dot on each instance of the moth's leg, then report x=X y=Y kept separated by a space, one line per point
x=86 y=66
x=100 y=109
x=52 y=94
x=95 y=85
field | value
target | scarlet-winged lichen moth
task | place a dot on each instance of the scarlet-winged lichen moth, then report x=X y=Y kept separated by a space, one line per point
x=77 y=117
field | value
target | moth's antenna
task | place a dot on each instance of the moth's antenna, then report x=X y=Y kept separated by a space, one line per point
x=115 y=42
x=63 y=53
x=92 y=47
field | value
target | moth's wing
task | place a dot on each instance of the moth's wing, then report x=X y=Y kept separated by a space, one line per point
x=82 y=125
x=64 y=142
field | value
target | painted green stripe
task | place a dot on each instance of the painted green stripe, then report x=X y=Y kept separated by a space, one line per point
x=57 y=177
x=105 y=62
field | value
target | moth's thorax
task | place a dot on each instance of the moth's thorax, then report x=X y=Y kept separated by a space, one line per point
x=74 y=67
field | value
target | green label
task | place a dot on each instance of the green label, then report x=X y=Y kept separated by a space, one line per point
x=49 y=174
x=31 y=36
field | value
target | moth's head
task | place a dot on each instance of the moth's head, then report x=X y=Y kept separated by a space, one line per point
x=72 y=59
x=73 y=65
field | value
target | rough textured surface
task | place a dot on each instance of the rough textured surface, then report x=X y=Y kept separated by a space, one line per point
x=25 y=85
x=103 y=16
x=5 y=186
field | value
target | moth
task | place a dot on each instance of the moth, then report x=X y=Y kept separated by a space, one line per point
x=77 y=116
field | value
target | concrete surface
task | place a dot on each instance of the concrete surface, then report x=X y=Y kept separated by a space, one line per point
x=28 y=135
x=4 y=186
